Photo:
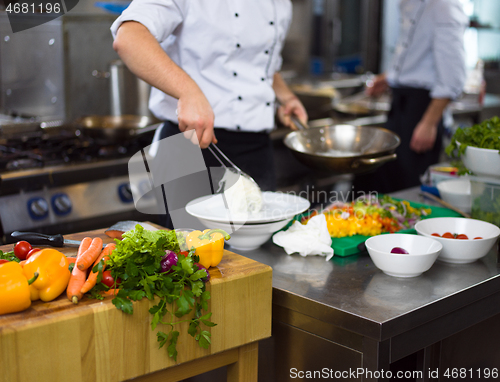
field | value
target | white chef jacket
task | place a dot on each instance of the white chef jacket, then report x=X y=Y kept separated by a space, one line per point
x=230 y=48
x=430 y=51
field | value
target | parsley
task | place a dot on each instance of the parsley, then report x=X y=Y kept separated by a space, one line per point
x=136 y=262
x=9 y=256
x=485 y=135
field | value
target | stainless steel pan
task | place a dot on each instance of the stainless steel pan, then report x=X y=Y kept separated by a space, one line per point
x=343 y=149
x=116 y=127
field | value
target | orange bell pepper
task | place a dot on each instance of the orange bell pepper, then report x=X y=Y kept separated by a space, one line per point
x=53 y=274
x=209 y=245
x=14 y=288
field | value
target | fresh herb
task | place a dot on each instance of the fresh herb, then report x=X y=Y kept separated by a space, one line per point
x=136 y=262
x=485 y=135
x=9 y=256
x=181 y=238
x=487 y=206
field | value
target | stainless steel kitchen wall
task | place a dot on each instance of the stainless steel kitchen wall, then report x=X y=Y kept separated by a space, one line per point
x=333 y=35
x=61 y=69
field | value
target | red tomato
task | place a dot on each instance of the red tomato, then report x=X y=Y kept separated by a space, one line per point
x=448 y=235
x=21 y=249
x=462 y=236
x=108 y=280
x=2 y=261
x=436 y=234
x=184 y=253
x=478 y=238
x=32 y=251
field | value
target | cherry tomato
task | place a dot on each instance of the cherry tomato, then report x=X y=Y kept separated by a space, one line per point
x=184 y=253
x=448 y=235
x=2 y=261
x=478 y=238
x=32 y=251
x=21 y=249
x=462 y=236
x=108 y=280
x=436 y=234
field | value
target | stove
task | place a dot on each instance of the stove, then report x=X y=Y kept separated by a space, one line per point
x=60 y=180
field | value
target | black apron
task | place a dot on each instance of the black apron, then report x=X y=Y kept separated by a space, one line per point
x=251 y=152
x=407 y=108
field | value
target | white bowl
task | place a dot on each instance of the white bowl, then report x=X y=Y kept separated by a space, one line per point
x=457 y=192
x=247 y=237
x=482 y=162
x=460 y=251
x=422 y=253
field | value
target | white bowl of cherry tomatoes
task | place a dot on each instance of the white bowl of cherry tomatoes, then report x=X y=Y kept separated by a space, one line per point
x=464 y=240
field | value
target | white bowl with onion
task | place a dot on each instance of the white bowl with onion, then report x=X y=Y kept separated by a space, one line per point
x=403 y=255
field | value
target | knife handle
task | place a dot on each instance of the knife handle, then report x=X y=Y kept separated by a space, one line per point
x=39 y=238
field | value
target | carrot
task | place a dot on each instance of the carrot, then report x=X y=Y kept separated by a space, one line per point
x=88 y=257
x=92 y=279
x=111 y=292
x=77 y=278
x=71 y=260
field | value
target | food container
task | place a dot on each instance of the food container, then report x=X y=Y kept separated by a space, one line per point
x=456 y=192
x=482 y=162
x=481 y=237
x=485 y=194
x=422 y=253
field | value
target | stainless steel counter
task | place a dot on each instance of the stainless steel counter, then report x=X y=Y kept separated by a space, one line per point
x=368 y=319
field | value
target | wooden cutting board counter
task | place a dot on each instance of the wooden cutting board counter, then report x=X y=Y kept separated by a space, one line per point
x=94 y=341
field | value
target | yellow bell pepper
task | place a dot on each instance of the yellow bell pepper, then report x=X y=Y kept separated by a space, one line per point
x=53 y=274
x=209 y=245
x=14 y=288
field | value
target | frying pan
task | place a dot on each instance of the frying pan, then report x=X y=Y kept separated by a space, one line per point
x=361 y=104
x=116 y=127
x=343 y=149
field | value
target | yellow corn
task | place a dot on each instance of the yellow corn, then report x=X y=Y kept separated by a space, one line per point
x=353 y=224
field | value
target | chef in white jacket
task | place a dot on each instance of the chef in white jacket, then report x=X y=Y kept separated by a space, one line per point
x=214 y=68
x=427 y=72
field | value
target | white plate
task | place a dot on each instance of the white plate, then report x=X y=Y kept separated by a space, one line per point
x=276 y=206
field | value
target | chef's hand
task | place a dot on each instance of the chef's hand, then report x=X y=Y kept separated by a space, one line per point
x=424 y=137
x=425 y=133
x=376 y=86
x=195 y=113
x=292 y=106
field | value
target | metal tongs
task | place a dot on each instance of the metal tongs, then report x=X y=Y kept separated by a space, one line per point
x=231 y=167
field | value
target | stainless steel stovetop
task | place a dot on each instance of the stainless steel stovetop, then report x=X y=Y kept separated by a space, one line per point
x=58 y=180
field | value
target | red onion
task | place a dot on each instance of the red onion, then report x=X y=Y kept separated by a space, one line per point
x=399 y=251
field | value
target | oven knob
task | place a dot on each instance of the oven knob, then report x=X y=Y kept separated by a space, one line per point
x=61 y=204
x=38 y=208
x=125 y=193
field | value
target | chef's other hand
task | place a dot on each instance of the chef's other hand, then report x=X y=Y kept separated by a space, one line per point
x=424 y=137
x=195 y=113
x=376 y=86
x=292 y=106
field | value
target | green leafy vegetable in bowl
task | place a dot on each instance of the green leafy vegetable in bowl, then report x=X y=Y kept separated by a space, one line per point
x=485 y=135
x=136 y=261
